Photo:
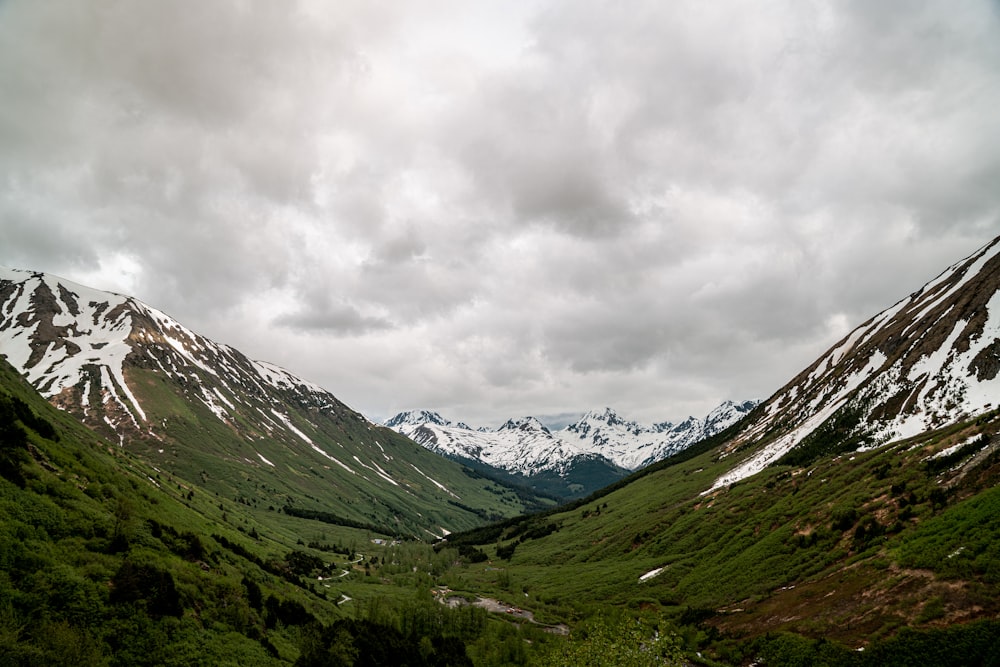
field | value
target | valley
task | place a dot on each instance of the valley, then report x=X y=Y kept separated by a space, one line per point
x=166 y=500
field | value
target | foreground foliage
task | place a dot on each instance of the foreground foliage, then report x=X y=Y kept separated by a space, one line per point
x=622 y=642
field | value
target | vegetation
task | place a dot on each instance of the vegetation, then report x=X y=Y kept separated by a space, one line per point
x=329 y=517
x=108 y=560
x=624 y=642
x=849 y=549
x=277 y=447
x=843 y=432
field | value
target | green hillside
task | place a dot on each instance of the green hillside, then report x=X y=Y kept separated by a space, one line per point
x=372 y=476
x=851 y=549
x=106 y=560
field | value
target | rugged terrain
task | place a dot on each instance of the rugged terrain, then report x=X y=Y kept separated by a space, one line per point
x=858 y=501
x=203 y=412
x=587 y=455
x=853 y=518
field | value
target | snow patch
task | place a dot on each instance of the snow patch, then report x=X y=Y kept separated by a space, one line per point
x=435 y=482
x=335 y=460
x=378 y=471
x=291 y=427
x=954 y=448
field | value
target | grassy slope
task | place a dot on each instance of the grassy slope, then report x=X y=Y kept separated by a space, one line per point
x=86 y=508
x=197 y=447
x=107 y=560
x=850 y=548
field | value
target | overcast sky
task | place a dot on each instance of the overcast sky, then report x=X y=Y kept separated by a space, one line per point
x=495 y=209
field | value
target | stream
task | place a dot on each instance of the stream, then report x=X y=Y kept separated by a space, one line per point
x=497 y=607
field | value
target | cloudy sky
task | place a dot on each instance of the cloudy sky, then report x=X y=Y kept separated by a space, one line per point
x=503 y=208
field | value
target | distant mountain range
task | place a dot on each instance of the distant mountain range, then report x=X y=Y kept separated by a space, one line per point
x=201 y=410
x=632 y=445
x=588 y=454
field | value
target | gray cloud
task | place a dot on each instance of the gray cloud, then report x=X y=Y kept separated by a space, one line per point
x=495 y=210
x=333 y=318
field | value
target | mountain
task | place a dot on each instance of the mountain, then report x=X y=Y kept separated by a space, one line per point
x=109 y=561
x=416 y=418
x=202 y=411
x=633 y=446
x=929 y=360
x=862 y=528
x=105 y=560
x=586 y=455
x=523 y=449
x=852 y=518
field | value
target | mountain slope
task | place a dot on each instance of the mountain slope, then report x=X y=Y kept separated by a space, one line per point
x=245 y=429
x=862 y=499
x=106 y=563
x=929 y=360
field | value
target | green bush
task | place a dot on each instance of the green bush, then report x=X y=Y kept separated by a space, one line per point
x=618 y=642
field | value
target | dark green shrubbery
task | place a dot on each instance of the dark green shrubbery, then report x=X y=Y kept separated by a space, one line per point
x=148 y=585
x=976 y=643
x=843 y=432
x=14 y=439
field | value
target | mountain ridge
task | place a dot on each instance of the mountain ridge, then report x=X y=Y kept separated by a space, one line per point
x=204 y=410
x=929 y=359
x=601 y=438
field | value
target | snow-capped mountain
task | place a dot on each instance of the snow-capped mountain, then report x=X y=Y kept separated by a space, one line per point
x=929 y=360
x=199 y=408
x=525 y=446
x=77 y=346
x=522 y=448
x=633 y=446
x=416 y=418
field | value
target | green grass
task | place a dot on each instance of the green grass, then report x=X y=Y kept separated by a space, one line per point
x=786 y=532
x=191 y=445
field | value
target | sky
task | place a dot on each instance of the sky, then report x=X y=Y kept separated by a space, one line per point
x=496 y=209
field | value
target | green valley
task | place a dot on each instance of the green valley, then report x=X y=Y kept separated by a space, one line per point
x=174 y=503
x=108 y=560
x=849 y=550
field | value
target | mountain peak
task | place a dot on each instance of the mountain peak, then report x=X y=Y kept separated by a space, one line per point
x=524 y=424
x=604 y=416
x=417 y=418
